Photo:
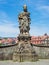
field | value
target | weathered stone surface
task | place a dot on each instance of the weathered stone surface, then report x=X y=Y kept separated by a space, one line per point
x=11 y=53
x=24 y=21
x=42 y=52
x=6 y=53
x=25 y=51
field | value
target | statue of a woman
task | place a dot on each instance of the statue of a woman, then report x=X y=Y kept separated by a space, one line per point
x=24 y=20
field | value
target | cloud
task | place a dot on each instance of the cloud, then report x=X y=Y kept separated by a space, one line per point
x=38 y=30
x=44 y=8
x=43 y=13
x=7 y=28
x=3 y=17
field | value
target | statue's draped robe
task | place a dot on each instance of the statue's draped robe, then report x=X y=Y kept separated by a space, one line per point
x=24 y=22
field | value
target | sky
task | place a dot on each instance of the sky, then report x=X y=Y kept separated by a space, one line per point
x=10 y=9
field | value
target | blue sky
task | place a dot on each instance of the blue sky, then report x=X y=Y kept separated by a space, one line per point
x=39 y=14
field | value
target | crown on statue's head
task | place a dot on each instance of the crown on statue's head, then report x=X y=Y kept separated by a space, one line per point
x=25 y=8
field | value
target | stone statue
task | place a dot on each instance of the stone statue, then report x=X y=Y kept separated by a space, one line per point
x=24 y=49
x=24 y=20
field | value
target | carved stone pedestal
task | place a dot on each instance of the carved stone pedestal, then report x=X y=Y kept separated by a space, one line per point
x=25 y=51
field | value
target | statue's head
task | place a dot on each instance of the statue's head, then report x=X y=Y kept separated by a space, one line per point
x=25 y=8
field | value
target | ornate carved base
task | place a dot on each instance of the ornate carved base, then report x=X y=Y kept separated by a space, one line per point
x=25 y=51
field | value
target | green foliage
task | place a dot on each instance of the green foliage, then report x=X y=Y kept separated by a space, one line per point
x=0 y=44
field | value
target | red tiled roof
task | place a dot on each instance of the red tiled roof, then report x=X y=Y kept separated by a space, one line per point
x=38 y=40
x=34 y=39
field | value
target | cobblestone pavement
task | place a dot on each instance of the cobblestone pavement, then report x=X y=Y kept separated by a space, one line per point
x=40 y=62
